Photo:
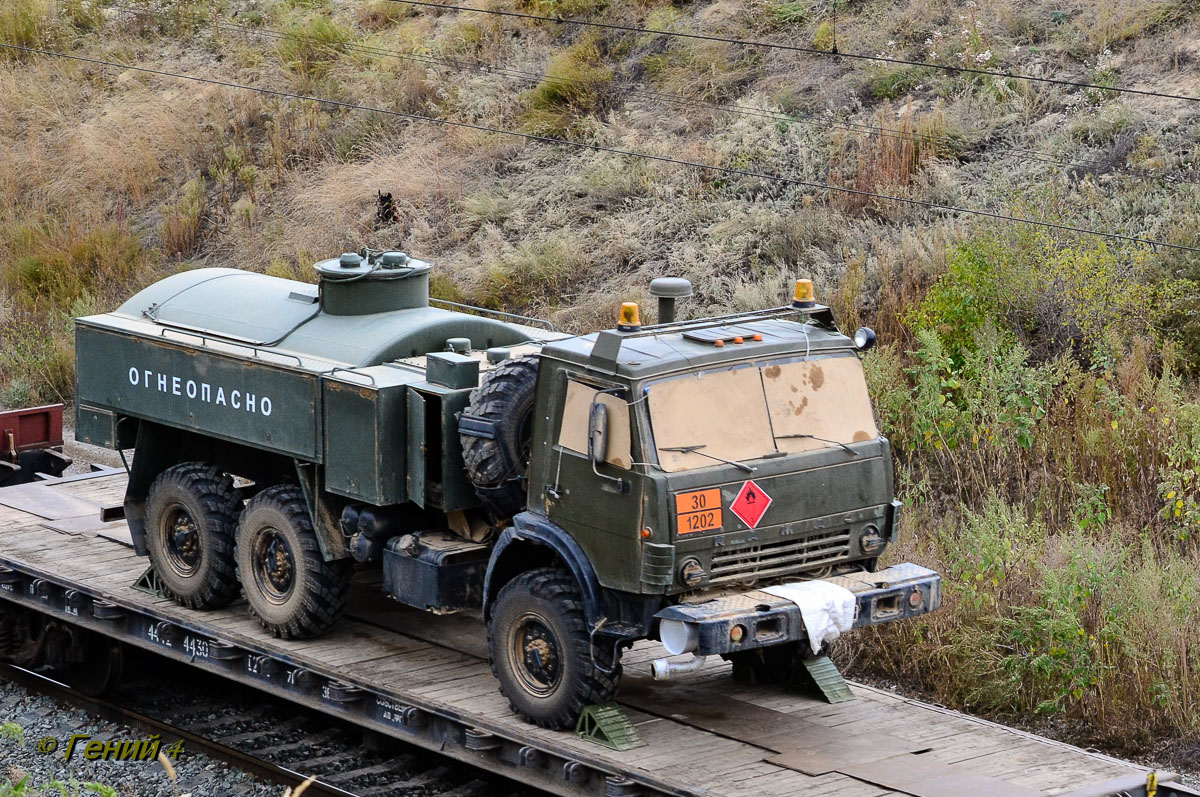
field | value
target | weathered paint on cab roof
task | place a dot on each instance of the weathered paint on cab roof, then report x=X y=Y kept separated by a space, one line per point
x=644 y=355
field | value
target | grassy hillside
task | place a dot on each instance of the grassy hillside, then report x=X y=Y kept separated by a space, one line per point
x=1038 y=385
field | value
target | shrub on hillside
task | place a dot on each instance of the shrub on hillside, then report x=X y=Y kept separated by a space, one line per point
x=180 y=230
x=577 y=84
x=25 y=23
x=55 y=263
x=1056 y=298
x=537 y=274
x=312 y=44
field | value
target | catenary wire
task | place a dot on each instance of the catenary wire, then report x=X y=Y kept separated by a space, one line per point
x=743 y=110
x=600 y=148
x=795 y=48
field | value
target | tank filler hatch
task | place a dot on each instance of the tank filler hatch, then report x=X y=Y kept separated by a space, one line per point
x=378 y=283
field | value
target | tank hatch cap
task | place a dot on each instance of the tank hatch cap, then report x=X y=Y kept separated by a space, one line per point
x=393 y=259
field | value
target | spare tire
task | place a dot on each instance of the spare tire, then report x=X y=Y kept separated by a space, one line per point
x=496 y=430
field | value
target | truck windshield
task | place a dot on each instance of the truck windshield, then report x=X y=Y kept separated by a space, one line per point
x=754 y=411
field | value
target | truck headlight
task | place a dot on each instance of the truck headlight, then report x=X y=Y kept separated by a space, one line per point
x=864 y=339
x=871 y=540
x=691 y=573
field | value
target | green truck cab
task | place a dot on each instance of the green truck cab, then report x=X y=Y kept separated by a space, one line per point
x=718 y=484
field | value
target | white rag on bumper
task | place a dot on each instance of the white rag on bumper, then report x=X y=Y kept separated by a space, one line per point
x=827 y=609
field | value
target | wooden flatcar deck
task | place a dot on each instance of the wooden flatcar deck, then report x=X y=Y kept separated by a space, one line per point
x=425 y=679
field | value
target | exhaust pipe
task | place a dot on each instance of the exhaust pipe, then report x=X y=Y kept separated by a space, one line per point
x=663 y=669
x=667 y=290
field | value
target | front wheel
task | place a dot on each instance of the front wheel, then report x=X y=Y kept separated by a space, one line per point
x=290 y=587
x=540 y=650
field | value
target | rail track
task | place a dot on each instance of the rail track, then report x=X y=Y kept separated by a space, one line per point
x=269 y=739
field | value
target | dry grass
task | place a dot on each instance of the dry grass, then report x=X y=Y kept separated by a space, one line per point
x=182 y=221
x=110 y=179
x=888 y=159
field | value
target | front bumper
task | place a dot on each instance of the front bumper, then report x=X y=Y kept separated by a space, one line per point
x=899 y=592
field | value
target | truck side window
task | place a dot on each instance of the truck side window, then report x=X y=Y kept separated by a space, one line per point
x=573 y=434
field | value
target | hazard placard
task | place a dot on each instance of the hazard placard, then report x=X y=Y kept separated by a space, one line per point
x=699 y=510
x=750 y=504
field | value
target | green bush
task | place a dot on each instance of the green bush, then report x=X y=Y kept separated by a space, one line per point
x=39 y=362
x=535 y=274
x=788 y=12
x=577 y=84
x=562 y=8
x=25 y=23
x=825 y=37
x=1061 y=298
x=314 y=43
x=890 y=83
x=55 y=263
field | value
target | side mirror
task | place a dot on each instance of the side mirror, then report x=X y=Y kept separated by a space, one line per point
x=598 y=433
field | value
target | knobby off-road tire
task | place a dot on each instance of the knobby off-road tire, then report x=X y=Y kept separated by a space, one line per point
x=497 y=467
x=539 y=648
x=191 y=515
x=291 y=589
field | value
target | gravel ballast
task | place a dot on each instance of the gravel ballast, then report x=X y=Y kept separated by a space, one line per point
x=38 y=717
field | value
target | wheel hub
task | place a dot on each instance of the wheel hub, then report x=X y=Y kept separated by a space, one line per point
x=274 y=565
x=538 y=656
x=183 y=541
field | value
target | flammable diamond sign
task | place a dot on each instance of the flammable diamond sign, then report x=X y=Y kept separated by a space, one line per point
x=751 y=504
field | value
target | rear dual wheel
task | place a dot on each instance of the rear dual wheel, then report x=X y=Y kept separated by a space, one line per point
x=191 y=515
x=290 y=587
x=206 y=548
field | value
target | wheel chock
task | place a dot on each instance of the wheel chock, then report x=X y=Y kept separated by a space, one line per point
x=819 y=674
x=608 y=726
x=150 y=583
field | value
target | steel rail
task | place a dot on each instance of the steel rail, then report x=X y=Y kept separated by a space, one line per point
x=112 y=712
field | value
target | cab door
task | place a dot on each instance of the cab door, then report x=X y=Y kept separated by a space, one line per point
x=599 y=505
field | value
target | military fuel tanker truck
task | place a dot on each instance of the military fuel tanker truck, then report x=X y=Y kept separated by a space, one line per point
x=684 y=482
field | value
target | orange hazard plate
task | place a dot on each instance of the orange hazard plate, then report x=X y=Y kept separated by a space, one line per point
x=698 y=511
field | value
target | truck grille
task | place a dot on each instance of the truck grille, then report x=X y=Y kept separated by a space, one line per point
x=779 y=558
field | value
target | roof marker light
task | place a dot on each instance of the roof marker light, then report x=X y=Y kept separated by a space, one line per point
x=804 y=294
x=629 y=320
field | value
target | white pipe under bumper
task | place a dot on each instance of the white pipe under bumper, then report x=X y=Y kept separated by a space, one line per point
x=663 y=669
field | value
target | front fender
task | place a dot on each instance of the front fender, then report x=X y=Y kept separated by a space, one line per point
x=507 y=562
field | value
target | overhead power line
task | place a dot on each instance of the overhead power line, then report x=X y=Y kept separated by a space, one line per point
x=793 y=48
x=599 y=148
x=877 y=131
